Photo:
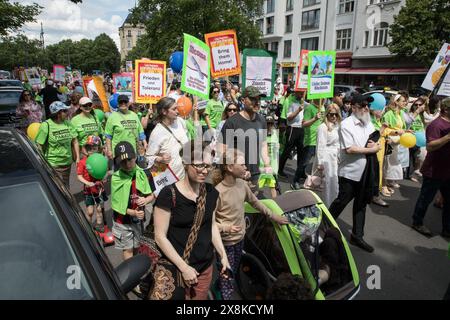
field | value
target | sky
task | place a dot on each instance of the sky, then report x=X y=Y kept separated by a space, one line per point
x=63 y=19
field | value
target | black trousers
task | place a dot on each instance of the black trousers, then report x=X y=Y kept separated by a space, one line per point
x=349 y=190
x=294 y=139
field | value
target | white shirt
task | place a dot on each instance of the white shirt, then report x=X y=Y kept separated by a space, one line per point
x=162 y=141
x=353 y=133
x=297 y=121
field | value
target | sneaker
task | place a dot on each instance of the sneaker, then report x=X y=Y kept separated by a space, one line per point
x=296 y=186
x=380 y=202
x=422 y=230
x=359 y=242
x=385 y=192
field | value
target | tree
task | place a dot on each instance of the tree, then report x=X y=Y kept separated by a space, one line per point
x=14 y=15
x=420 y=29
x=166 y=21
x=21 y=51
x=106 y=53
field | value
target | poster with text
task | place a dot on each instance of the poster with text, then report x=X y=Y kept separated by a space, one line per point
x=59 y=72
x=196 y=76
x=224 y=53
x=301 y=83
x=438 y=67
x=259 y=71
x=444 y=89
x=33 y=77
x=321 y=74
x=123 y=84
x=150 y=81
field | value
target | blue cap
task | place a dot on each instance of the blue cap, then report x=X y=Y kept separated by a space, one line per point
x=57 y=106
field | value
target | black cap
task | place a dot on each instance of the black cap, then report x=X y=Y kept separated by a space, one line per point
x=360 y=99
x=124 y=151
x=123 y=98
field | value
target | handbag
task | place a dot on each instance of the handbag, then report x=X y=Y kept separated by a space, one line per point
x=314 y=181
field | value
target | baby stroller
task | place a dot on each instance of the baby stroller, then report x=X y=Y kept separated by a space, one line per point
x=311 y=240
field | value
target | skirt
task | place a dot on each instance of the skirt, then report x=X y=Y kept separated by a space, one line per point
x=392 y=166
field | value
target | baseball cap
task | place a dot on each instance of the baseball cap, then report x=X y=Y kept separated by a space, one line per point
x=123 y=98
x=85 y=100
x=57 y=106
x=253 y=92
x=93 y=141
x=124 y=151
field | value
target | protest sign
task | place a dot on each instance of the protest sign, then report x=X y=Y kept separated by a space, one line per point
x=150 y=81
x=321 y=74
x=123 y=84
x=444 y=88
x=33 y=77
x=59 y=72
x=259 y=70
x=438 y=67
x=224 y=53
x=195 y=78
x=162 y=176
x=301 y=83
x=94 y=89
x=76 y=75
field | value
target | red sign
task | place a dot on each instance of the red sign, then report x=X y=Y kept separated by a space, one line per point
x=344 y=62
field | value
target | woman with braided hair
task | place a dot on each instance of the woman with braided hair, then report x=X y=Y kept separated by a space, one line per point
x=186 y=231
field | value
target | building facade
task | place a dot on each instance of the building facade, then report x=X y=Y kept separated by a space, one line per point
x=129 y=34
x=356 y=29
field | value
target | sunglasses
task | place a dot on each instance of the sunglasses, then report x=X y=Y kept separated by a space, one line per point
x=26 y=94
x=418 y=104
x=215 y=91
x=202 y=166
x=333 y=114
x=232 y=110
x=87 y=105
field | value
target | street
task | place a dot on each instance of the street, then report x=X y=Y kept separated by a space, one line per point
x=411 y=266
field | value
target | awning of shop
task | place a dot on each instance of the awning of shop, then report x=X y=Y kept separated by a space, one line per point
x=382 y=71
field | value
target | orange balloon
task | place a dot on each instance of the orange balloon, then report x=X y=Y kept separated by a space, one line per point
x=184 y=106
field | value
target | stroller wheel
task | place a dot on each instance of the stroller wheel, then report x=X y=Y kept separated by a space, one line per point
x=252 y=278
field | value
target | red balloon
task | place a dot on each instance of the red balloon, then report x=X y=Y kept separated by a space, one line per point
x=184 y=106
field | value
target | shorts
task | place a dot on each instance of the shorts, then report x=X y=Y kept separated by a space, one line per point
x=92 y=199
x=126 y=236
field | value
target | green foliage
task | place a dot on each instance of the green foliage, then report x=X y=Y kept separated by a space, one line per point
x=21 y=51
x=14 y=15
x=420 y=29
x=167 y=21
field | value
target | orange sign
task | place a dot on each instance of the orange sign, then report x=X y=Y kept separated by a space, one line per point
x=224 y=53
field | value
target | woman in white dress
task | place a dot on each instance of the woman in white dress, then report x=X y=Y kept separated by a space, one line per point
x=327 y=152
x=168 y=138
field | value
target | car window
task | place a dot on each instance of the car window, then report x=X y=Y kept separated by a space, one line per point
x=10 y=83
x=9 y=97
x=37 y=260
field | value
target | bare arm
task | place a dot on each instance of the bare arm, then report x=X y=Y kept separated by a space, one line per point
x=218 y=245
x=265 y=154
x=294 y=114
x=438 y=143
x=372 y=147
x=76 y=148
x=109 y=148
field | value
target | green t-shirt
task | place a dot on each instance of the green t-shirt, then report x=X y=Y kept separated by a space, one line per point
x=417 y=125
x=214 y=109
x=86 y=126
x=273 y=148
x=124 y=127
x=376 y=123
x=309 y=113
x=286 y=103
x=58 y=150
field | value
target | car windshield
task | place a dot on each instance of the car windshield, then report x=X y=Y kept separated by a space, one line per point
x=37 y=260
x=9 y=97
x=10 y=83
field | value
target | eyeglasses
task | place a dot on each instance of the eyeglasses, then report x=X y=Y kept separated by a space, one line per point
x=333 y=114
x=215 y=91
x=202 y=166
x=232 y=110
x=418 y=104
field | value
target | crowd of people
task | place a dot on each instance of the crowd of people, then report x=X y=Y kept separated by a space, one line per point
x=352 y=149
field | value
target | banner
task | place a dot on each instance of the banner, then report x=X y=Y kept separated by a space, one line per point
x=437 y=70
x=259 y=71
x=150 y=81
x=321 y=74
x=224 y=53
x=301 y=83
x=94 y=89
x=196 y=76
x=33 y=77
x=123 y=84
x=59 y=72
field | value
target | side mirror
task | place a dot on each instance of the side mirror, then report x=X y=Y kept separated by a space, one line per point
x=131 y=271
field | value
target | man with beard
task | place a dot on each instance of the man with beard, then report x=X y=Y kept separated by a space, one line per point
x=355 y=145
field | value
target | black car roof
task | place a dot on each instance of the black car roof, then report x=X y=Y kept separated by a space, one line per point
x=13 y=159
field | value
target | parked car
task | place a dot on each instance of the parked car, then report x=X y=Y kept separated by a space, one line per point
x=5 y=74
x=9 y=99
x=48 y=249
x=349 y=90
x=8 y=83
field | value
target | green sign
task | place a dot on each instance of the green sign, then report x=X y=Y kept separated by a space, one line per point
x=321 y=74
x=196 y=75
x=259 y=70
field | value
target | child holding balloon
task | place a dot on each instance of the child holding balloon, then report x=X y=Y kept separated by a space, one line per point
x=90 y=172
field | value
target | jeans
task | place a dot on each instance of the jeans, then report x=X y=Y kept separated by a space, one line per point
x=349 y=190
x=430 y=186
x=294 y=139
x=308 y=154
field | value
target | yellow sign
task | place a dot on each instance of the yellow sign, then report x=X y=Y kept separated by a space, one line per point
x=288 y=64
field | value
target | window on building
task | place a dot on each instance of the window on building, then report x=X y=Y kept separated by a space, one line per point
x=311 y=19
x=380 y=35
x=289 y=5
x=266 y=46
x=366 y=39
x=270 y=6
x=260 y=25
x=269 y=25
x=307 y=3
x=274 y=47
x=343 y=39
x=346 y=6
x=129 y=33
x=310 y=43
x=129 y=43
x=139 y=33
x=289 y=20
x=287 y=48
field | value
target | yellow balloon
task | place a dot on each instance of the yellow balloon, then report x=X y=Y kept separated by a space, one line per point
x=32 y=130
x=408 y=140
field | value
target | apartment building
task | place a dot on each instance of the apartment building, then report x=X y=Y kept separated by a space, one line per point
x=129 y=35
x=356 y=29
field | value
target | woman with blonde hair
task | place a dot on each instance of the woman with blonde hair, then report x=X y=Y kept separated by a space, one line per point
x=327 y=152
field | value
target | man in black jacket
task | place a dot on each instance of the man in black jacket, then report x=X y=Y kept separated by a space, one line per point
x=49 y=95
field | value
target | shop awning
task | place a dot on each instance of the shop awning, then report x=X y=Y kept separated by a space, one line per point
x=382 y=71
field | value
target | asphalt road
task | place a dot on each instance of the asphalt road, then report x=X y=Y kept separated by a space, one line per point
x=410 y=265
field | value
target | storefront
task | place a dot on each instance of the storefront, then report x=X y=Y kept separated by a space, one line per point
x=288 y=71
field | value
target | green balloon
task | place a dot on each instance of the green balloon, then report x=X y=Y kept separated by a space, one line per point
x=97 y=166
x=100 y=115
